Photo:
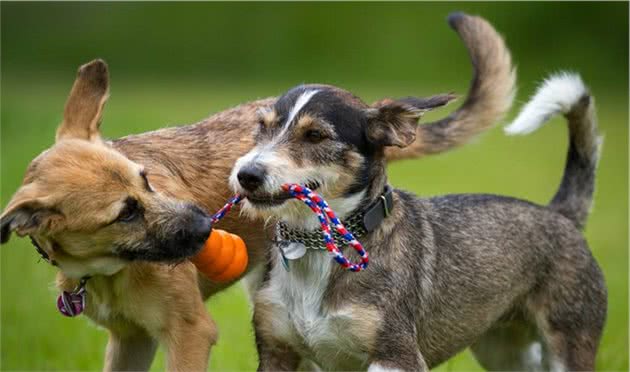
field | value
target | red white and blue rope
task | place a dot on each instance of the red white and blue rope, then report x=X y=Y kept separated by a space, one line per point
x=324 y=214
x=226 y=208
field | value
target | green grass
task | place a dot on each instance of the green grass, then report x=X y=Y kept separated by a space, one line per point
x=35 y=337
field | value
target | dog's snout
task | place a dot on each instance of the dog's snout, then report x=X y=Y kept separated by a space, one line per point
x=201 y=227
x=251 y=177
x=196 y=210
x=194 y=227
x=189 y=239
x=200 y=224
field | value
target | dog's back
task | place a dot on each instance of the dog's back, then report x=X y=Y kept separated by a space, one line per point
x=521 y=273
x=513 y=280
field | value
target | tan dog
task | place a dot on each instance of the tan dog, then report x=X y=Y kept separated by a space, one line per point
x=115 y=211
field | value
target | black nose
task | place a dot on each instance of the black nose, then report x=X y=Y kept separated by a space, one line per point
x=201 y=228
x=190 y=239
x=201 y=224
x=251 y=177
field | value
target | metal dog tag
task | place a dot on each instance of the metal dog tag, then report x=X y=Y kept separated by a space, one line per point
x=292 y=250
x=285 y=262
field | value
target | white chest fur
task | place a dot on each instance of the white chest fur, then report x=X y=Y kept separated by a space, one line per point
x=301 y=319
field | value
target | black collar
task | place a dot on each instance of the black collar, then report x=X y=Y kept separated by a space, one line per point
x=359 y=223
x=380 y=209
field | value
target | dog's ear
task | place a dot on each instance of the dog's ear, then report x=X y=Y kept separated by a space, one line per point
x=27 y=215
x=394 y=122
x=84 y=107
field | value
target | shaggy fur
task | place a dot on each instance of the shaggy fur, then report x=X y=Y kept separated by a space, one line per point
x=513 y=280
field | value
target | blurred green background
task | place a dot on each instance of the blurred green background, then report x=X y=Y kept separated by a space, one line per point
x=177 y=63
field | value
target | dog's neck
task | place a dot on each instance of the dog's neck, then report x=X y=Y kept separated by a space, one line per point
x=301 y=217
x=343 y=206
x=376 y=184
x=68 y=281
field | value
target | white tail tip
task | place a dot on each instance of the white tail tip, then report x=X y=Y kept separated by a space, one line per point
x=556 y=95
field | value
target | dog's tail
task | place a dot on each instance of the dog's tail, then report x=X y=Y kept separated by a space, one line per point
x=565 y=93
x=489 y=97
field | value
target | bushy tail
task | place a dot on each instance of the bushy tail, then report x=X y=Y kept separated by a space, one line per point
x=489 y=97
x=566 y=94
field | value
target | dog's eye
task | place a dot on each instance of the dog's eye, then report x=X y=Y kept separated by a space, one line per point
x=130 y=212
x=314 y=135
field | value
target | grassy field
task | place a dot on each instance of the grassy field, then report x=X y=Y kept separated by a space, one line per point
x=175 y=63
x=36 y=337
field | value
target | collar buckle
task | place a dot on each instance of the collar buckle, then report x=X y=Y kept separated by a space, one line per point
x=381 y=209
x=385 y=207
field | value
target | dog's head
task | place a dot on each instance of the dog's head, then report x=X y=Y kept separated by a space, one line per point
x=328 y=139
x=89 y=208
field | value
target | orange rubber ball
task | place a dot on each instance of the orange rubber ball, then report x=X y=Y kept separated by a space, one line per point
x=223 y=257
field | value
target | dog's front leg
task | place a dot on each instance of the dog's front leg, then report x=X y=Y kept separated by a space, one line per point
x=390 y=365
x=396 y=351
x=132 y=350
x=188 y=340
x=273 y=354
x=276 y=357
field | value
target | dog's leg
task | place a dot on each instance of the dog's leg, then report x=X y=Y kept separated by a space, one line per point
x=570 y=309
x=273 y=355
x=510 y=347
x=276 y=357
x=392 y=365
x=397 y=350
x=132 y=351
x=189 y=339
x=570 y=345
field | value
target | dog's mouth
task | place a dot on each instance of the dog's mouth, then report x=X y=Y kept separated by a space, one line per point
x=262 y=200
x=175 y=246
x=165 y=252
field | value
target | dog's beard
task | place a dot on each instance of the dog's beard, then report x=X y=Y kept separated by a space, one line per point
x=290 y=210
x=298 y=215
x=271 y=203
x=278 y=206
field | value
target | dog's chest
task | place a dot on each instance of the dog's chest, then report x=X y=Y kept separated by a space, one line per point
x=112 y=303
x=302 y=319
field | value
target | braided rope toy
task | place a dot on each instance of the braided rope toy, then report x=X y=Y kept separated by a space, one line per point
x=226 y=208
x=324 y=214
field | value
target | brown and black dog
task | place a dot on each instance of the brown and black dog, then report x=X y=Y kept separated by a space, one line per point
x=513 y=280
x=116 y=211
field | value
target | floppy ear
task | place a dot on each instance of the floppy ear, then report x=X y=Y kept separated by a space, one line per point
x=394 y=122
x=84 y=107
x=26 y=215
